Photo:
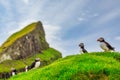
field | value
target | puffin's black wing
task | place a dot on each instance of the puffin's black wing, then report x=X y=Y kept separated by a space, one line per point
x=32 y=65
x=85 y=51
x=15 y=71
x=109 y=46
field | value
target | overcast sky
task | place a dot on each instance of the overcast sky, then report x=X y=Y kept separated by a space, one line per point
x=66 y=22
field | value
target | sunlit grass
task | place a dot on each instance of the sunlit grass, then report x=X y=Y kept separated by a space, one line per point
x=47 y=56
x=91 y=66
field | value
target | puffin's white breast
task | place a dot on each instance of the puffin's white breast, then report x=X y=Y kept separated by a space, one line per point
x=37 y=64
x=26 y=68
x=81 y=51
x=13 y=73
x=104 y=46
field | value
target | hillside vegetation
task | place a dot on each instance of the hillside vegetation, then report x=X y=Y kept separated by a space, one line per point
x=91 y=66
x=47 y=57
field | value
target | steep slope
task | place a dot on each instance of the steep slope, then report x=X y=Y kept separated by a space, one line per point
x=24 y=43
x=93 y=66
x=21 y=49
x=47 y=57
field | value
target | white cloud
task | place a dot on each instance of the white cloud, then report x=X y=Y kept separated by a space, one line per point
x=25 y=23
x=81 y=19
x=108 y=17
x=64 y=11
x=52 y=32
x=87 y=15
x=19 y=25
x=53 y=36
x=26 y=1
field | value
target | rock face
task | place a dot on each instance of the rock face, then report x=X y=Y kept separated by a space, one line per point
x=27 y=45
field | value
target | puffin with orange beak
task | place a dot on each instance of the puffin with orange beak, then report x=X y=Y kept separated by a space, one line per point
x=105 y=45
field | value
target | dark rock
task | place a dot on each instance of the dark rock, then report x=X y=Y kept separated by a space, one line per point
x=29 y=44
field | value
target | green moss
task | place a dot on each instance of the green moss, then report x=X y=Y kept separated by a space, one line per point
x=47 y=56
x=7 y=65
x=91 y=66
x=114 y=77
x=17 y=35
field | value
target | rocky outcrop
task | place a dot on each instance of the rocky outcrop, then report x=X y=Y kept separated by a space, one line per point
x=27 y=45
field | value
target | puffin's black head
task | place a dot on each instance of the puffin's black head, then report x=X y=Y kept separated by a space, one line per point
x=101 y=39
x=13 y=69
x=81 y=45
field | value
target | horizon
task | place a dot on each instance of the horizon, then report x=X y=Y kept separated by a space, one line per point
x=66 y=23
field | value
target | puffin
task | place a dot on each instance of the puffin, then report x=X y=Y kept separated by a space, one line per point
x=27 y=68
x=83 y=50
x=35 y=64
x=105 y=45
x=13 y=71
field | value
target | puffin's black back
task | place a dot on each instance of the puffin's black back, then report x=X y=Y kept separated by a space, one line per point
x=32 y=65
x=84 y=50
x=109 y=46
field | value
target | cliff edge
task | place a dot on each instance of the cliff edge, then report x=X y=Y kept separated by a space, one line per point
x=24 y=43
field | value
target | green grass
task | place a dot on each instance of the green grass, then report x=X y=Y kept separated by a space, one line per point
x=47 y=56
x=17 y=35
x=91 y=66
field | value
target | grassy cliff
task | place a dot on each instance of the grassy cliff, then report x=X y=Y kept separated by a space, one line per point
x=17 y=35
x=91 y=66
x=22 y=47
x=47 y=57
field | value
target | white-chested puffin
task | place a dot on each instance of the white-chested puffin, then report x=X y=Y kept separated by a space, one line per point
x=13 y=71
x=35 y=64
x=105 y=45
x=83 y=50
x=26 y=68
